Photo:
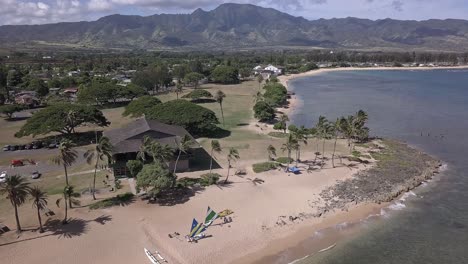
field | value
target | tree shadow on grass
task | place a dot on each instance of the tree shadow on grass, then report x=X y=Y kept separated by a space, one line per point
x=220 y=133
x=203 y=101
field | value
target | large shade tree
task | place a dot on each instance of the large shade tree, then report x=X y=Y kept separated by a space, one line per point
x=62 y=118
x=16 y=189
x=138 y=107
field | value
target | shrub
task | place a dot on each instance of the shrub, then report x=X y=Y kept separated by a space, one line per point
x=134 y=166
x=278 y=134
x=275 y=94
x=284 y=160
x=120 y=199
x=197 y=94
x=187 y=182
x=356 y=153
x=210 y=179
x=264 y=166
x=196 y=119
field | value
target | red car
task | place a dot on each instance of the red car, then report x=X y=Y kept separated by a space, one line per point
x=17 y=163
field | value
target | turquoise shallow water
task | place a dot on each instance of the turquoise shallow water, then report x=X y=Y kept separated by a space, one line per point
x=431 y=227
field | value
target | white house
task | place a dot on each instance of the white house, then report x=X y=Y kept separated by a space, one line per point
x=274 y=69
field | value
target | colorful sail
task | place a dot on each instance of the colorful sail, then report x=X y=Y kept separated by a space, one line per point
x=210 y=217
x=197 y=228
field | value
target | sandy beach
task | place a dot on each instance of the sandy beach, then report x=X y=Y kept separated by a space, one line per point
x=268 y=217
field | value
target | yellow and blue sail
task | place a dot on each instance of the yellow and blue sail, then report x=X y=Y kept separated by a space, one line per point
x=197 y=228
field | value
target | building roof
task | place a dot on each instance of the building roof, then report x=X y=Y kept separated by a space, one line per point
x=129 y=138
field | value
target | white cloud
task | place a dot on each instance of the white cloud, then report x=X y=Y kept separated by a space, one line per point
x=99 y=5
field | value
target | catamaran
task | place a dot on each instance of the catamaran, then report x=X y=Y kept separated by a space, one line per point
x=155 y=260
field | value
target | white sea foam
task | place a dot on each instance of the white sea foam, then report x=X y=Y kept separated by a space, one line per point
x=406 y=195
x=397 y=206
x=341 y=225
x=297 y=260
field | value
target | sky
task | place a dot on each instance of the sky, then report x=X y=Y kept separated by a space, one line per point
x=51 y=11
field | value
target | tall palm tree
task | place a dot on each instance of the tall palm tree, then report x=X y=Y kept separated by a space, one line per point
x=260 y=80
x=336 y=131
x=144 y=148
x=160 y=153
x=183 y=146
x=66 y=156
x=300 y=134
x=219 y=97
x=320 y=132
x=271 y=152
x=215 y=147
x=283 y=121
x=69 y=196
x=39 y=199
x=289 y=146
x=16 y=189
x=233 y=155
x=101 y=152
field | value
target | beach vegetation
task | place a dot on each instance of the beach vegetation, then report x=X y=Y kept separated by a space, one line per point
x=182 y=147
x=271 y=152
x=140 y=106
x=102 y=153
x=16 y=189
x=215 y=148
x=264 y=166
x=290 y=145
x=69 y=199
x=232 y=156
x=155 y=178
x=278 y=134
x=118 y=200
x=62 y=118
x=275 y=94
x=284 y=160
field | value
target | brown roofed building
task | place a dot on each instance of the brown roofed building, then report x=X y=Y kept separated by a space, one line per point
x=126 y=143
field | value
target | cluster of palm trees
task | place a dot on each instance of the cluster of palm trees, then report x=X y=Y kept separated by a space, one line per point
x=17 y=189
x=353 y=128
x=232 y=156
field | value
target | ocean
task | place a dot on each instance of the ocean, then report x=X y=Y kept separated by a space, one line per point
x=428 y=110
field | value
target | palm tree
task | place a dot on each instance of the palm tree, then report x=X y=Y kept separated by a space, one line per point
x=232 y=156
x=178 y=89
x=69 y=196
x=335 y=130
x=144 y=148
x=183 y=146
x=160 y=153
x=215 y=147
x=283 y=121
x=300 y=134
x=16 y=189
x=66 y=156
x=320 y=132
x=259 y=80
x=102 y=152
x=39 y=199
x=289 y=145
x=219 y=97
x=271 y=152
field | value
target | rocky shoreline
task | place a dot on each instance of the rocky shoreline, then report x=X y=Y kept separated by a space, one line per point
x=397 y=168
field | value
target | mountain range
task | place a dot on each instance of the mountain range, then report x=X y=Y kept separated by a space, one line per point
x=243 y=26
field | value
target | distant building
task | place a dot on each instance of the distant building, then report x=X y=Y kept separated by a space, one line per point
x=28 y=99
x=73 y=73
x=267 y=71
x=126 y=143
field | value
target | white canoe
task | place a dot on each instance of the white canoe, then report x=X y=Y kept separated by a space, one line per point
x=153 y=258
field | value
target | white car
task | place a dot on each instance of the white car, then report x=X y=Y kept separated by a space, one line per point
x=3 y=176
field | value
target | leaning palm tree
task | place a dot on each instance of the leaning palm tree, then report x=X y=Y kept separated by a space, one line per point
x=183 y=146
x=144 y=148
x=271 y=152
x=335 y=131
x=215 y=147
x=233 y=155
x=283 y=121
x=219 y=97
x=66 y=156
x=178 y=89
x=39 y=199
x=16 y=189
x=300 y=134
x=160 y=153
x=69 y=196
x=102 y=152
x=289 y=146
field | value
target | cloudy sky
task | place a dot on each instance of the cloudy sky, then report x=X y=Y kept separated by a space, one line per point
x=48 y=11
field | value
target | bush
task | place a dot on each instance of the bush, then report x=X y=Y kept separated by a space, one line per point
x=264 y=112
x=134 y=166
x=210 y=179
x=264 y=166
x=356 y=153
x=187 y=182
x=278 y=134
x=275 y=94
x=197 y=94
x=120 y=199
x=284 y=160
x=195 y=118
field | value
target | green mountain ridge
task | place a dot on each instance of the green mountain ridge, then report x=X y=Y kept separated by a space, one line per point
x=243 y=25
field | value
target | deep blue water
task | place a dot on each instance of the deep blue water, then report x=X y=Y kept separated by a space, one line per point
x=433 y=228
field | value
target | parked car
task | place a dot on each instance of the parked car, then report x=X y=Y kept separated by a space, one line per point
x=35 y=175
x=17 y=163
x=21 y=147
x=6 y=148
x=3 y=176
x=14 y=147
x=28 y=146
x=53 y=145
x=37 y=145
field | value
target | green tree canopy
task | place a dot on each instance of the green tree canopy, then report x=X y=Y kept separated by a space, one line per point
x=134 y=167
x=198 y=94
x=154 y=178
x=193 y=79
x=263 y=111
x=196 y=119
x=62 y=118
x=39 y=86
x=140 y=106
x=225 y=75
x=275 y=94
x=131 y=91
